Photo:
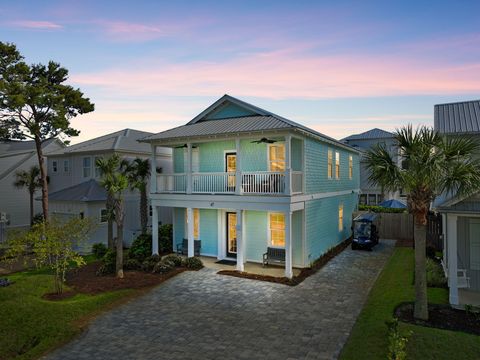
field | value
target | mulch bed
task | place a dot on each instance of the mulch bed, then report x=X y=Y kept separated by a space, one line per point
x=304 y=273
x=442 y=317
x=404 y=243
x=84 y=280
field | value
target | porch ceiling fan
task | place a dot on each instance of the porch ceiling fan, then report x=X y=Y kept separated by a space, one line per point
x=184 y=146
x=264 y=140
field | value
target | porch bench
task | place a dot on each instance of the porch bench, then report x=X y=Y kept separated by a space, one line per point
x=182 y=248
x=274 y=255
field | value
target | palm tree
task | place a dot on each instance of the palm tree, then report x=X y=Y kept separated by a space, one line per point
x=115 y=183
x=138 y=172
x=107 y=167
x=429 y=165
x=31 y=180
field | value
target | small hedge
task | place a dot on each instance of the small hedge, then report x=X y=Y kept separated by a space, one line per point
x=108 y=263
x=142 y=246
x=193 y=263
x=435 y=275
x=380 y=209
x=163 y=267
x=99 y=250
x=174 y=258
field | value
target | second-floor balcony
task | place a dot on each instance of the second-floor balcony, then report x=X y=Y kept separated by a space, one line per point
x=242 y=183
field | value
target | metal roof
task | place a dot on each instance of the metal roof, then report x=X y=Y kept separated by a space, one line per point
x=371 y=217
x=370 y=134
x=457 y=118
x=87 y=191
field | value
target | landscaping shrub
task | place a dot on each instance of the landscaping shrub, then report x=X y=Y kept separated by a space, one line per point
x=397 y=344
x=163 y=267
x=99 y=250
x=430 y=252
x=193 y=263
x=108 y=263
x=435 y=275
x=174 y=258
x=141 y=247
x=150 y=262
x=133 y=264
x=165 y=236
x=379 y=209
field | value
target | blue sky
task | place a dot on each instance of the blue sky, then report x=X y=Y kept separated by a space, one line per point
x=340 y=67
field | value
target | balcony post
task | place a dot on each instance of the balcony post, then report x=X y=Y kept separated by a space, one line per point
x=240 y=245
x=153 y=172
x=154 y=230
x=189 y=168
x=288 y=165
x=238 y=169
x=288 y=245
x=191 y=245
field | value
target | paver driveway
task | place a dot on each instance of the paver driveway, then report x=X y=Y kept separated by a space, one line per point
x=202 y=315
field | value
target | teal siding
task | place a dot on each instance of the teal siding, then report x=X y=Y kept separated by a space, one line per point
x=208 y=231
x=254 y=156
x=212 y=155
x=316 y=174
x=322 y=231
x=228 y=111
x=297 y=243
x=178 y=166
x=256 y=227
x=296 y=151
x=179 y=225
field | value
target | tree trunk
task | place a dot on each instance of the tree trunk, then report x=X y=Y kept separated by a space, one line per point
x=119 y=216
x=421 y=301
x=31 y=208
x=143 y=210
x=43 y=176
x=109 y=204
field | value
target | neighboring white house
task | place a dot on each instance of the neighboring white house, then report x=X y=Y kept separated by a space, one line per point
x=16 y=156
x=74 y=189
x=461 y=216
x=369 y=193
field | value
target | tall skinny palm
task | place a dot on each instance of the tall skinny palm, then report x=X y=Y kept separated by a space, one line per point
x=429 y=165
x=31 y=180
x=116 y=183
x=109 y=166
x=138 y=172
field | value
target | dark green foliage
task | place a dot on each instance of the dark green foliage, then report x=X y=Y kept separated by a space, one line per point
x=133 y=264
x=193 y=263
x=108 y=263
x=99 y=250
x=163 y=267
x=150 y=262
x=435 y=275
x=165 y=235
x=380 y=209
x=397 y=343
x=174 y=258
x=430 y=252
x=141 y=247
x=38 y=218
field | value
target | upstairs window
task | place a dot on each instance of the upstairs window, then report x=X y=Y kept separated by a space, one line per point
x=350 y=167
x=340 y=217
x=97 y=169
x=337 y=165
x=277 y=229
x=276 y=157
x=87 y=167
x=330 y=164
x=54 y=166
x=103 y=215
x=66 y=166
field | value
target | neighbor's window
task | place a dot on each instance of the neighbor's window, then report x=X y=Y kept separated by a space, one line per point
x=277 y=229
x=97 y=169
x=340 y=217
x=103 y=215
x=363 y=199
x=196 y=223
x=276 y=154
x=54 y=166
x=66 y=166
x=372 y=199
x=87 y=166
x=337 y=164
x=330 y=164
x=350 y=166
x=474 y=233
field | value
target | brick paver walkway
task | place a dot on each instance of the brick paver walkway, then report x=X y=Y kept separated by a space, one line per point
x=202 y=315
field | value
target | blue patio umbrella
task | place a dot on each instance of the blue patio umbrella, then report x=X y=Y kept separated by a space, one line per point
x=393 y=204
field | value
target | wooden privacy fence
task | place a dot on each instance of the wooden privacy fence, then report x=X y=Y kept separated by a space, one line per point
x=396 y=226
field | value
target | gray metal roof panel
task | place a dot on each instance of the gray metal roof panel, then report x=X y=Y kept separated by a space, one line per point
x=457 y=118
x=370 y=134
x=87 y=191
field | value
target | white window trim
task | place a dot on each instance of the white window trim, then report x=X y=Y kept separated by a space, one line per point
x=269 y=160
x=269 y=230
x=95 y=167
x=55 y=166
x=337 y=176
x=67 y=161
x=350 y=167
x=194 y=151
x=100 y=216
x=225 y=152
x=342 y=206
x=83 y=166
x=332 y=166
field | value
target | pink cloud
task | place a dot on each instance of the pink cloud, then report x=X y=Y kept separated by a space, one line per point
x=34 y=24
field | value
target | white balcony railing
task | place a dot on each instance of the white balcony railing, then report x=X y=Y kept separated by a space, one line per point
x=253 y=182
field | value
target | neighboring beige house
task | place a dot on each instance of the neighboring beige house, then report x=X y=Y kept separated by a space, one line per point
x=16 y=156
x=74 y=189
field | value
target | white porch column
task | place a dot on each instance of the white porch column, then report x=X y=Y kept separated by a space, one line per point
x=452 y=258
x=288 y=245
x=189 y=168
x=153 y=171
x=240 y=247
x=288 y=165
x=190 y=232
x=154 y=230
x=238 y=172
x=444 y=239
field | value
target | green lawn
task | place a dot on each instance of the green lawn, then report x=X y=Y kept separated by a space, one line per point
x=368 y=339
x=30 y=326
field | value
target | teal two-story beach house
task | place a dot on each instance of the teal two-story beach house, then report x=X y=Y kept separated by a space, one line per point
x=245 y=180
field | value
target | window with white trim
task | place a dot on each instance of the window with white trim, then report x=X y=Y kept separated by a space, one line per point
x=350 y=167
x=54 y=166
x=474 y=232
x=277 y=229
x=276 y=157
x=103 y=215
x=330 y=164
x=337 y=164
x=87 y=167
x=66 y=166
x=340 y=217
x=97 y=169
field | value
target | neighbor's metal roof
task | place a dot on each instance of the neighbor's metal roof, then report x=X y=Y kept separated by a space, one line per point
x=458 y=118
x=370 y=134
x=87 y=191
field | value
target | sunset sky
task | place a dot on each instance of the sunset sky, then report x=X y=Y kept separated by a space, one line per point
x=340 y=67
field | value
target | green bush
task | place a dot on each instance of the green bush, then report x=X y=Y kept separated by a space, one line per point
x=150 y=262
x=108 y=263
x=141 y=247
x=397 y=344
x=133 y=264
x=99 y=250
x=379 y=209
x=174 y=258
x=165 y=236
x=435 y=275
x=163 y=267
x=193 y=263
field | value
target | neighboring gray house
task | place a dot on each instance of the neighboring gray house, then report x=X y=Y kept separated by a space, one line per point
x=370 y=194
x=74 y=189
x=461 y=216
x=16 y=156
